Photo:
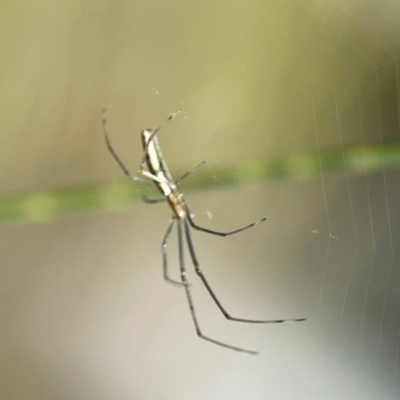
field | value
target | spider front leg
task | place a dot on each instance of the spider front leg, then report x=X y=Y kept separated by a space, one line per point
x=115 y=155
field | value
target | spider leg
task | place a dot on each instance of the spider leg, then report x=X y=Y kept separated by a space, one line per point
x=115 y=155
x=199 y=272
x=190 y=299
x=217 y=233
x=164 y=254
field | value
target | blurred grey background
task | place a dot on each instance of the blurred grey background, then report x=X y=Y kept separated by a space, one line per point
x=84 y=311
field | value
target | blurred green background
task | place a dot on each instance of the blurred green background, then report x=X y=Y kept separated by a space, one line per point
x=273 y=94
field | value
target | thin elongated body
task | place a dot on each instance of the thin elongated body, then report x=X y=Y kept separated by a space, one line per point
x=154 y=167
x=158 y=168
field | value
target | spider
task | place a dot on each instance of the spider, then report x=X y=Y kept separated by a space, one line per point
x=154 y=167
